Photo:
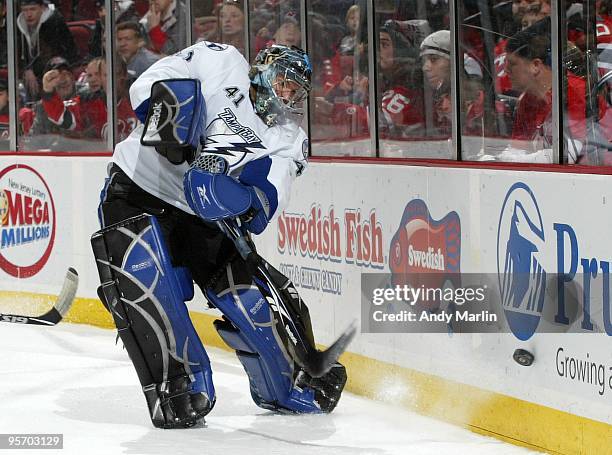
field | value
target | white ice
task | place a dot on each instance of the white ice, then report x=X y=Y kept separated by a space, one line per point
x=74 y=380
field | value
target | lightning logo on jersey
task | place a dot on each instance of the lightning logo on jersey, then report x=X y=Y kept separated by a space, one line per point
x=226 y=136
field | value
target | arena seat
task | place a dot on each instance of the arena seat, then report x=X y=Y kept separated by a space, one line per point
x=86 y=10
x=82 y=32
x=65 y=8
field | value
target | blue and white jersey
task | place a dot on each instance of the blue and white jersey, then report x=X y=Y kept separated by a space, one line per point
x=268 y=158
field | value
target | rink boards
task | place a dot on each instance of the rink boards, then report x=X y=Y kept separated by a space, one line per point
x=346 y=220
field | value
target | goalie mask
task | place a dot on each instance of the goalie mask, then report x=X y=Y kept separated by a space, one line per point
x=280 y=76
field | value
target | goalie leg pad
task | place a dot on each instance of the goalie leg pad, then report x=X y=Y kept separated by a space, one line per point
x=248 y=327
x=145 y=295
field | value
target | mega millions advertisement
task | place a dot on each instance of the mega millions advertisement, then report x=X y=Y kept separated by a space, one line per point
x=27 y=221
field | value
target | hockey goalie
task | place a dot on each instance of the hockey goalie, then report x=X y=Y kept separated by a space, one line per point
x=211 y=164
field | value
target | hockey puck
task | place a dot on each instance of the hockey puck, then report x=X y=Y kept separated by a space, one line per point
x=523 y=357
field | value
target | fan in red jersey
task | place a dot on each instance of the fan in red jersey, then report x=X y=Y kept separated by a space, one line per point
x=530 y=72
x=402 y=98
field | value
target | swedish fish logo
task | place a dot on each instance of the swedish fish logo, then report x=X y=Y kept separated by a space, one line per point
x=425 y=251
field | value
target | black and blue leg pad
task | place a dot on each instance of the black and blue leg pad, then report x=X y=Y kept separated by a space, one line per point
x=146 y=296
x=249 y=328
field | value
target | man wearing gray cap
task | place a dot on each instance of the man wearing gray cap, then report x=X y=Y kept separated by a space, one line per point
x=44 y=34
x=435 y=52
x=436 y=64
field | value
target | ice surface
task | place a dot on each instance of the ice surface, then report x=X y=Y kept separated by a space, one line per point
x=74 y=380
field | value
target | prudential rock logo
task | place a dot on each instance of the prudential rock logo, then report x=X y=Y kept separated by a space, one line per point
x=520 y=246
x=27 y=221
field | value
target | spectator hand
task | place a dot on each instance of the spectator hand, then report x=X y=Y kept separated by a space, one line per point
x=31 y=82
x=346 y=84
x=323 y=106
x=264 y=32
x=361 y=85
x=50 y=81
x=153 y=17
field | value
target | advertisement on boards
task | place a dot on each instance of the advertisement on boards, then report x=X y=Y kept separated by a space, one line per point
x=27 y=221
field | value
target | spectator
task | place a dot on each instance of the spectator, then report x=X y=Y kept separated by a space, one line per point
x=353 y=23
x=56 y=113
x=96 y=42
x=401 y=101
x=435 y=54
x=288 y=32
x=92 y=101
x=130 y=47
x=529 y=68
x=231 y=24
x=89 y=81
x=323 y=54
x=165 y=24
x=524 y=14
x=64 y=112
x=522 y=7
x=533 y=14
x=126 y=120
x=3 y=36
x=205 y=28
x=125 y=11
x=44 y=35
x=83 y=115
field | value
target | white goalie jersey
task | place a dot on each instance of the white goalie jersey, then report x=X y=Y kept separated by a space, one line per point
x=233 y=130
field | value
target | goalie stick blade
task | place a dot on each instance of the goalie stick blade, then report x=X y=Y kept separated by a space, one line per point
x=59 y=310
x=318 y=363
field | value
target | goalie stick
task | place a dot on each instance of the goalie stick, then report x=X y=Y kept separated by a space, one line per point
x=59 y=310
x=316 y=363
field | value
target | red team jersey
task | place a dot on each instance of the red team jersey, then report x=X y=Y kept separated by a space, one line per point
x=4 y=125
x=402 y=110
x=604 y=43
x=502 y=80
x=89 y=115
x=534 y=114
x=77 y=114
x=402 y=115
